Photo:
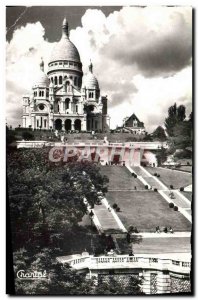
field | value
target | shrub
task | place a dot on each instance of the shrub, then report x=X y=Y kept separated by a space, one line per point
x=175 y=208
x=155 y=174
x=155 y=190
x=171 y=187
x=146 y=187
x=171 y=204
x=27 y=136
x=158 y=175
x=115 y=206
x=135 y=176
x=132 y=174
x=117 y=209
x=181 y=189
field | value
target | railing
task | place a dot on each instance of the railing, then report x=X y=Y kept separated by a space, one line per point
x=38 y=144
x=128 y=262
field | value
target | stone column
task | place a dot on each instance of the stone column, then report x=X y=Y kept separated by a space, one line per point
x=63 y=125
x=72 y=124
x=84 y=124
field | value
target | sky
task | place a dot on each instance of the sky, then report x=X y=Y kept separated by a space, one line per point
x=142 y=56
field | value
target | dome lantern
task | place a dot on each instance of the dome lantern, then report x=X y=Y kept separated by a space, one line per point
x=90 y=67
x=65 y=28
x=42 y=65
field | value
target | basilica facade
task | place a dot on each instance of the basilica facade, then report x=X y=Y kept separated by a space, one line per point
x=64 y=99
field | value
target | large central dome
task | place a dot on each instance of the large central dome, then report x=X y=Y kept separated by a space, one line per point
x=65 y=49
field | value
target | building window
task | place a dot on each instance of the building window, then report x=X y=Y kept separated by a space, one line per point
x=39 y=93
x=60 y=79
x=76 y=108
x=47 y=94
x=96 y=124
x=71 y=77
x=41 y=106
x=67 y=103
x=45 y=123
x=52 y=80
x=60 y=63
x=91 y=94
x=55 y=80
x=37 y=123
x=75 y=81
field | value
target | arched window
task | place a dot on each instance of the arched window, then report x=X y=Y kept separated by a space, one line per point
x=79 y=81
x=60 y=79
x=55 y=80
x=75 y=81
x=67 y=100
x=90 y=94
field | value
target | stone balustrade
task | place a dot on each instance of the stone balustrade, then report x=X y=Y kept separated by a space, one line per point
x=128 y=262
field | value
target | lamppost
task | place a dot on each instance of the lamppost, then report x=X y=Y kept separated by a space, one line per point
x=91 y=214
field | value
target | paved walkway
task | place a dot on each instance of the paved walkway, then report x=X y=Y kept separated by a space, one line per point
x=163 y=234
x=188 y=188
x=105 y=217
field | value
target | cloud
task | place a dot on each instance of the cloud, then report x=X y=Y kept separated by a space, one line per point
x=141 y=57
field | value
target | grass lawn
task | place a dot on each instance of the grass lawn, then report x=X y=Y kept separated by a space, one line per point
x=146 y=210
x=188 y=195
x=171 y=177
x=163 y=245
x=185 y=168
x=121 y=178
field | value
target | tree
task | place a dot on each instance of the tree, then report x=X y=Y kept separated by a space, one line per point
x=181 y=113
x=161 y=156
x=47 y=199
x=27 y=136
x=60 y=280
x=10 y=136
x=159 y=134
x=175 y=116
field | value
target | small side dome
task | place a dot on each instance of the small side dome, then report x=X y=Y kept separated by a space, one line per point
x=89 y=80
x=42 y=79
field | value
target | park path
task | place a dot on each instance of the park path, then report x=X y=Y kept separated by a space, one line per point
x=107 y=217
